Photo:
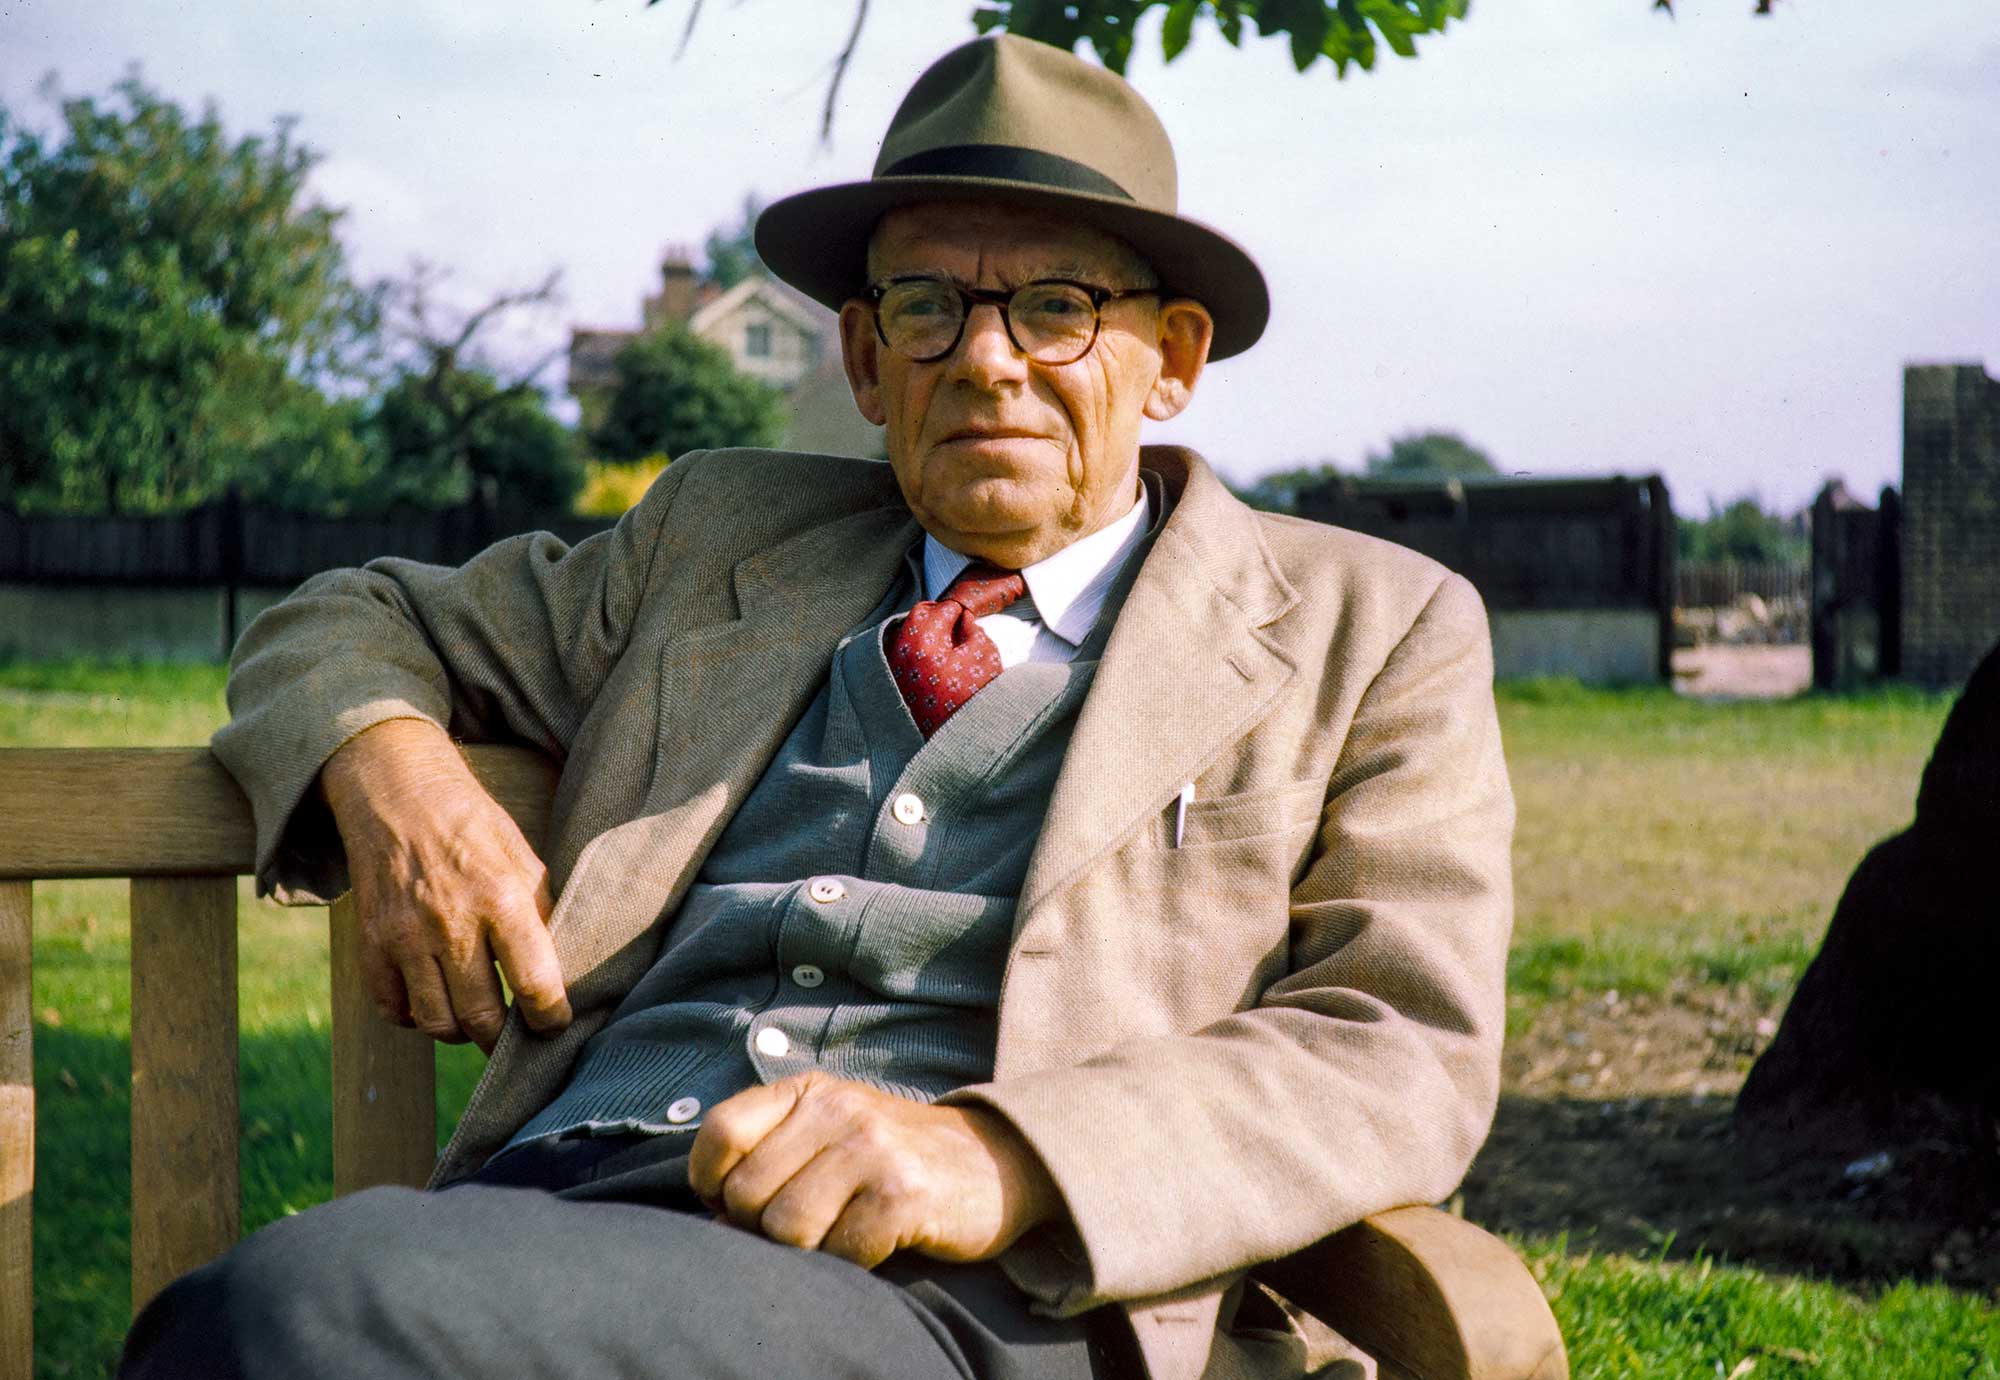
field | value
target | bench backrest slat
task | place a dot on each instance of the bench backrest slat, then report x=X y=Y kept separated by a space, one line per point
x=174 y=812
x=185 y=1200
x=17 y=1131
x=120 y=812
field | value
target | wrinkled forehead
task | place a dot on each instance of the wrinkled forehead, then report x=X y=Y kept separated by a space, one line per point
x=963 y=239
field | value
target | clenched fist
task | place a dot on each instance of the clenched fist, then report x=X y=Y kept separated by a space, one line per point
x=825 y=1164
x=445 y=886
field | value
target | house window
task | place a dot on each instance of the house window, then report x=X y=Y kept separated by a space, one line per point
x=757 y=340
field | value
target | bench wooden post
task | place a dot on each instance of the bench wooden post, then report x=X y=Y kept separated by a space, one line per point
x=384 y=1078
x=17 y=1130
x=186 y=1201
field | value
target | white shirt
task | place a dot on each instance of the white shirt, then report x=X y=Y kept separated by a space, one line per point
x=1066 y=591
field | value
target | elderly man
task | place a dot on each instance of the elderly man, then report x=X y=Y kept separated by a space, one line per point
x=1004 y=894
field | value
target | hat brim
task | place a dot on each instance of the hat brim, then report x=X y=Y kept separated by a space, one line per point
x=818 y=242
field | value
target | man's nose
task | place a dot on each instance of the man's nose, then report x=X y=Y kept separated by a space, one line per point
x=986 y=350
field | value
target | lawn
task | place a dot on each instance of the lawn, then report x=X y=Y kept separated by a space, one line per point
x=1667 y=847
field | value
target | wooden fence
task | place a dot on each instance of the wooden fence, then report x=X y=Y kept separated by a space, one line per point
x=232 y=543
x=1528 y=545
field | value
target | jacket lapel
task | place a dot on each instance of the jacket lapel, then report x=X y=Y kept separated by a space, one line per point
x=1188 y=670
x=729 y=693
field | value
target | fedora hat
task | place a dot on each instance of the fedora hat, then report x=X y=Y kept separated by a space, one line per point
x=1012 y=120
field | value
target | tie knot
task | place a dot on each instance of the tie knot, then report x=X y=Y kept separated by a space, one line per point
x=982 y=588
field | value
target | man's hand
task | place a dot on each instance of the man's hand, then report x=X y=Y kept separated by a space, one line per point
x=445 y=884
x=824 y=1164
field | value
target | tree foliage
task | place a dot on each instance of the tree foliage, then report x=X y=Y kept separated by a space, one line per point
x=1743 y=530
x=1423 y=453
x=170 y=303
x=1279 y=491
x=448 y=436
x=676 y=392
x=1344 y=32
x=455 y=420
x=731 y=250
x=177 y=316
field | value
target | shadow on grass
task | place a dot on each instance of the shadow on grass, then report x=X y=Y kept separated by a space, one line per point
x=1661 y=1177
x=83 y=1169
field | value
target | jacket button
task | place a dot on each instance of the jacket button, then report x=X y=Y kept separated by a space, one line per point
x=774 y=1042
x=908 y=809
x=808 y=975
x=684 y=1110
x=826 y=890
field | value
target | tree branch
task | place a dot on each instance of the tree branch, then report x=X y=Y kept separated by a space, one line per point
x=840 y=65
x=687 y=34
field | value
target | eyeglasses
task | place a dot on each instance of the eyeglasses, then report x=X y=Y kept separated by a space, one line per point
x=1051 y=320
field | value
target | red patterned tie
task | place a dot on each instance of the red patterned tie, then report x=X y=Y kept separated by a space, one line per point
x=940 y=655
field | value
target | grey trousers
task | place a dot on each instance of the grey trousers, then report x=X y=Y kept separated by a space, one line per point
x=589 y=1260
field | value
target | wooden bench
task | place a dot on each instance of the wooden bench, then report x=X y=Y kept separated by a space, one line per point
x=1432 y=1297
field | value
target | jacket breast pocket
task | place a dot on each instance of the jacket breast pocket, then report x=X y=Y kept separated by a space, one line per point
x=1271 y=814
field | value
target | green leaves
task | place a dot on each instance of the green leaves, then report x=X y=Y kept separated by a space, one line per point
x=166 y=292
x=1179 y=27
x=677 y=392
x=1341 y=31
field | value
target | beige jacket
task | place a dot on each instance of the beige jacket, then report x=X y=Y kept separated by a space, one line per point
x=1223 y=1050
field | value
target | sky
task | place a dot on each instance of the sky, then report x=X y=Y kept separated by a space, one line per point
x=1590 y=238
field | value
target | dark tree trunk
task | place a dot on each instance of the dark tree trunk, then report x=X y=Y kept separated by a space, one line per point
x=1892 y=1041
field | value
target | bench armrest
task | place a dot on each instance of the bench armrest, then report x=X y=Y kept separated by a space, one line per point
x=1430 y=1296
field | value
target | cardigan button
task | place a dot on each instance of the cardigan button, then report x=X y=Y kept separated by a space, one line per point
x=908 y=809
x=684 y=1110
x=826 y=890
x=774 y=1042
x=808 y=975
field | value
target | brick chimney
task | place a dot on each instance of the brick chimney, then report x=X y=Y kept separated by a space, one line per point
x=678 y=287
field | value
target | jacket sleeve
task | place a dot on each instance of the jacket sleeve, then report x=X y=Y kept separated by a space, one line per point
x=512 y=646
x=1364 y=1078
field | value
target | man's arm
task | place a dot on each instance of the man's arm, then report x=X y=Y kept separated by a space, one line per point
x=364 y=673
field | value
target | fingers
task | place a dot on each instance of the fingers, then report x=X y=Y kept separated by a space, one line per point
x=430 y=1002
x=527 y=954
x=477 y=1003
x=385 y=986
x=817 y=1163
x=806 y=1208
x=868 y=1231
x=734 y=1128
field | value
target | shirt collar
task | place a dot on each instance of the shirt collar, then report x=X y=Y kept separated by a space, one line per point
x=1069 y=587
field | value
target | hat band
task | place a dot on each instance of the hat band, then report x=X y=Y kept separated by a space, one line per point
x=1007 y=163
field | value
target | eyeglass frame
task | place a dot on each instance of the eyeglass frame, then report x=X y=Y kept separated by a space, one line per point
x=1003 y=299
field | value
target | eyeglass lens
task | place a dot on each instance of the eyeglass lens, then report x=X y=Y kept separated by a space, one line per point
x=1052 y=323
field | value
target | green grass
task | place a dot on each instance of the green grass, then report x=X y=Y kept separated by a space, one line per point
x=1662 y=837
x=1661 y=840
x=1631 y=1319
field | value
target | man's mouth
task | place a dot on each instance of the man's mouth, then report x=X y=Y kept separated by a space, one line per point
x=998 y=433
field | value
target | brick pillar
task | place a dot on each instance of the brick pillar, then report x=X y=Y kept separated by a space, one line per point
x=1951 y=521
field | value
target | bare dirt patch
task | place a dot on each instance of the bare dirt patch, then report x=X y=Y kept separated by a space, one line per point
x=1614 y=1127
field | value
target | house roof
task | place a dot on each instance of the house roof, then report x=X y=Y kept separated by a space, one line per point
x=806 y=315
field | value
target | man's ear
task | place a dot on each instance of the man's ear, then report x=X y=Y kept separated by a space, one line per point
x=860 y=354
x=1186 y=331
